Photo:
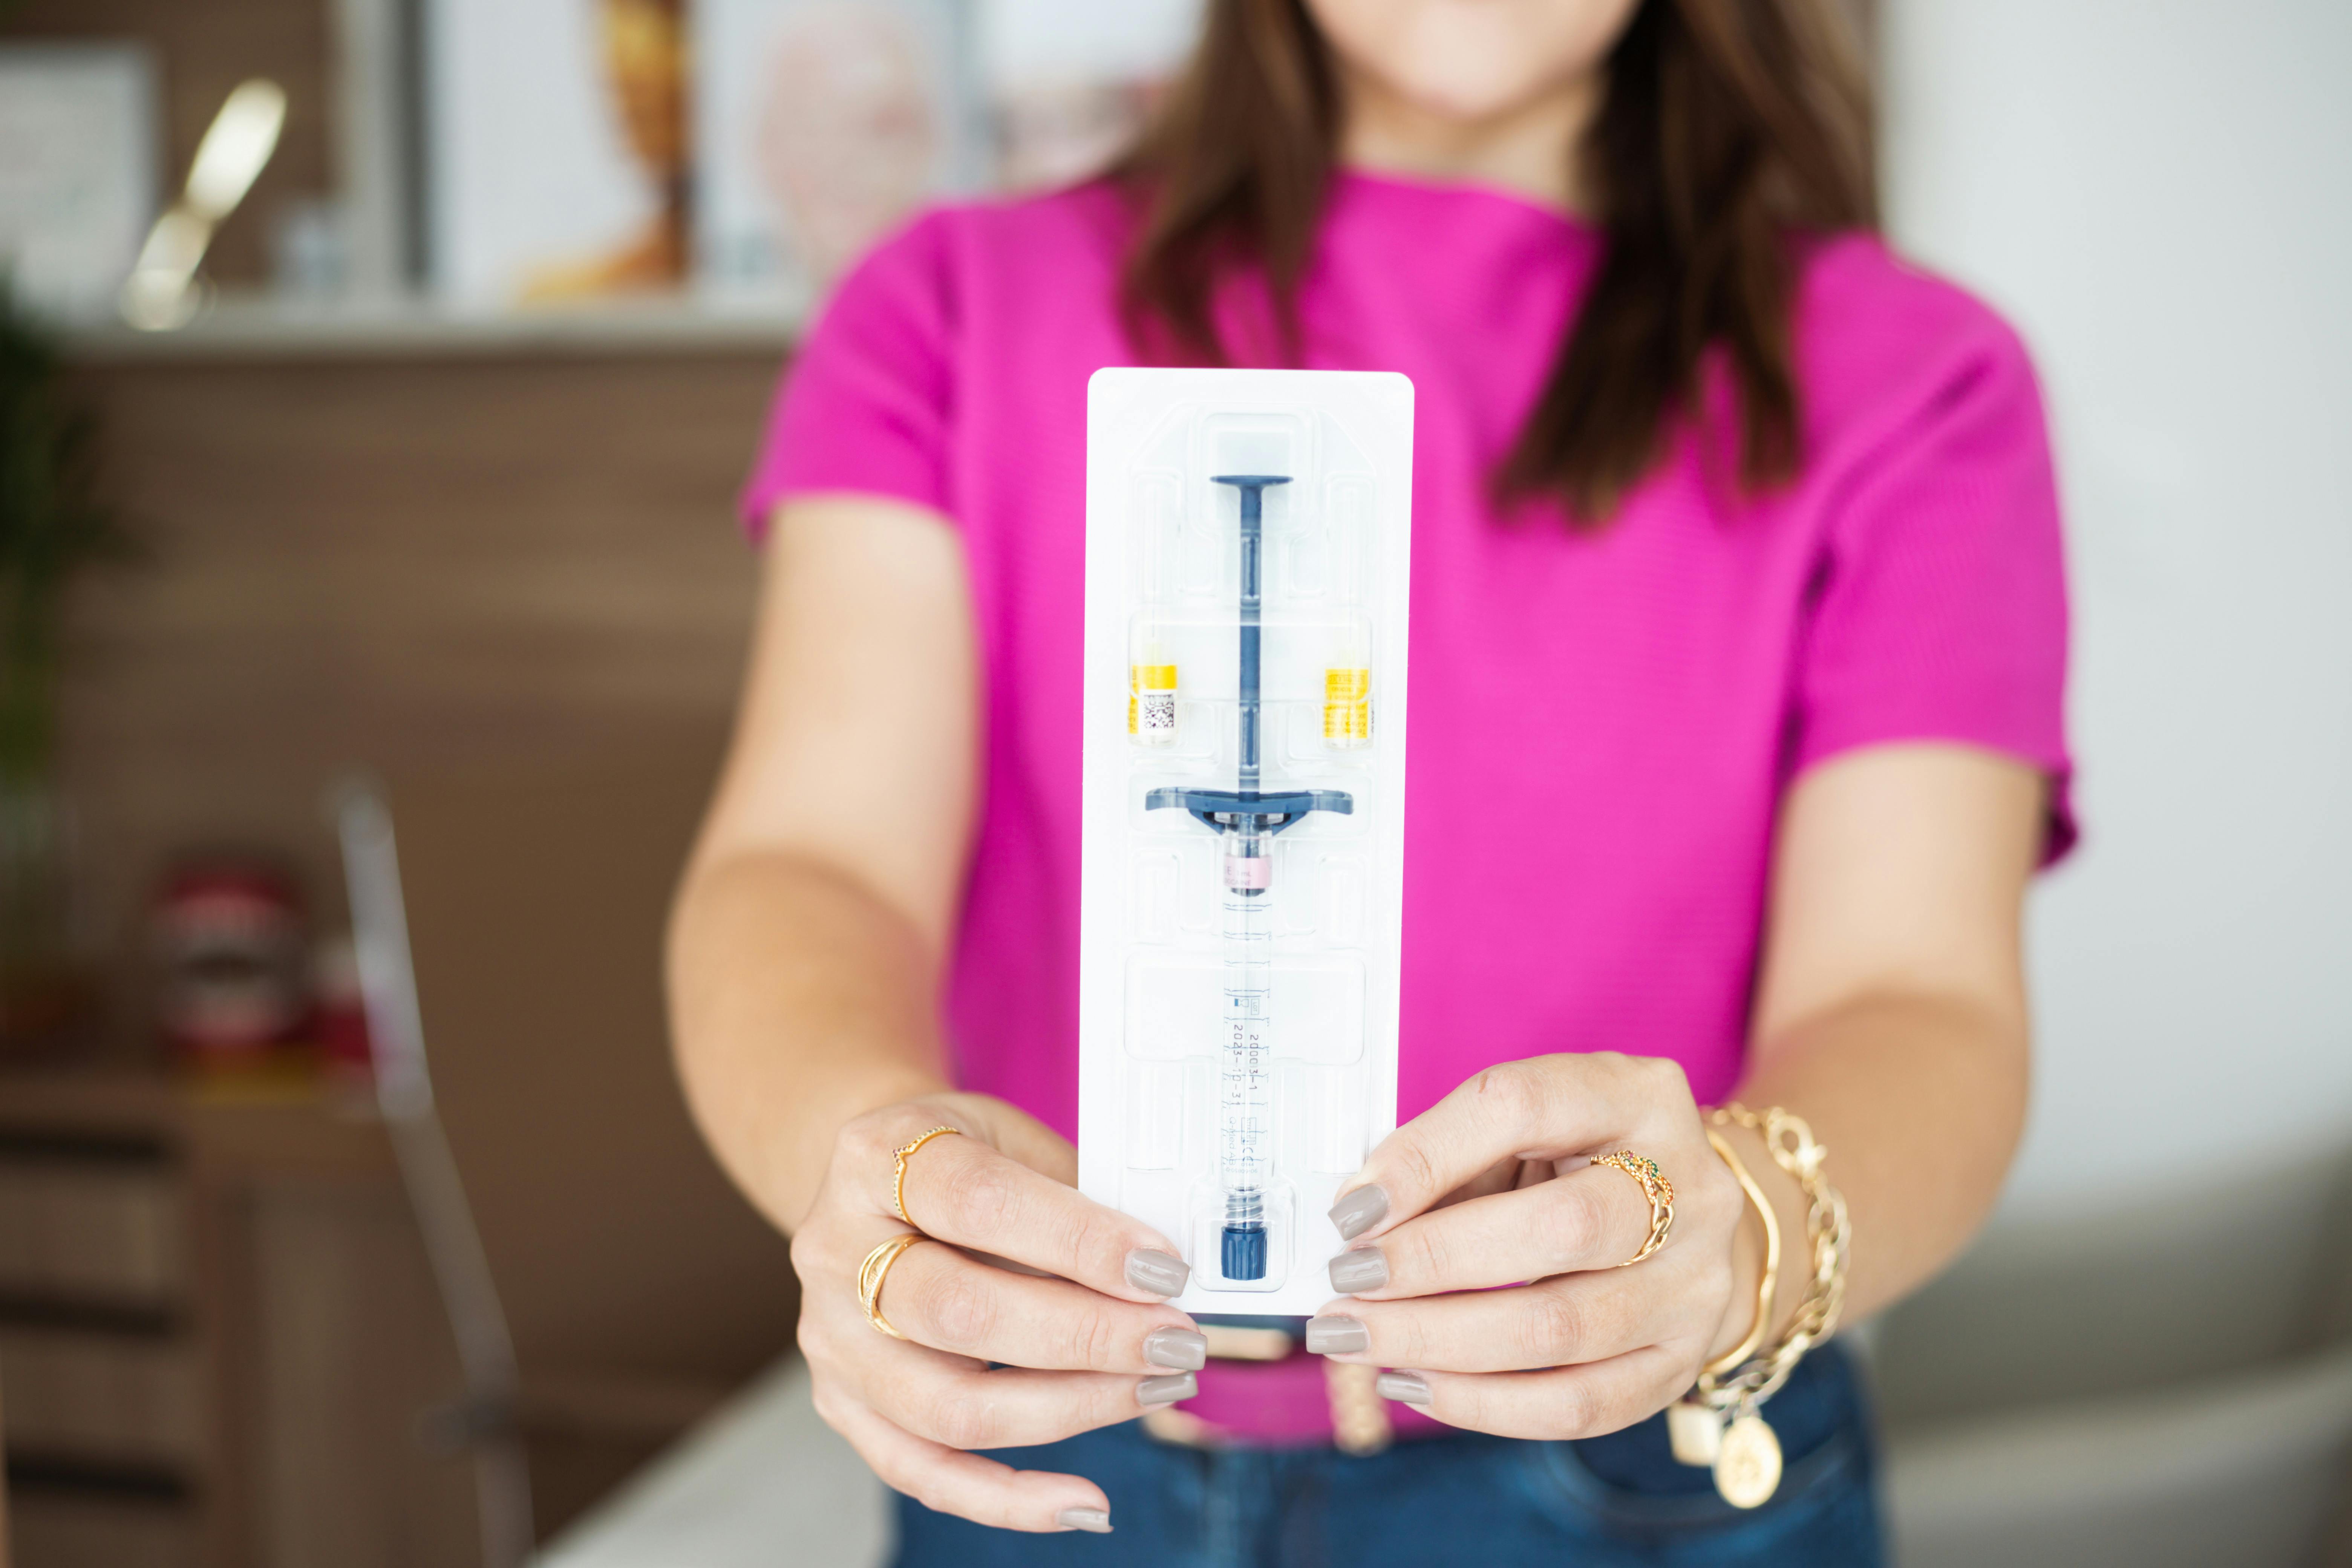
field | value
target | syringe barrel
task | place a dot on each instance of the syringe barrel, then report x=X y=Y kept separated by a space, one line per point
x=1245 y=1082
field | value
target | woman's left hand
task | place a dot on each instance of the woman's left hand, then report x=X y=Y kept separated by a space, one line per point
x=1490 y=1188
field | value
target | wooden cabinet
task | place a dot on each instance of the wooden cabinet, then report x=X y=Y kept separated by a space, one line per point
x=218 y=1336
x=447 y=556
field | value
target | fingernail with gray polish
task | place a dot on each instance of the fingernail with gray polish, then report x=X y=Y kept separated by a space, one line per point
x=1336 y=1336
x=1167 y=1390
x=1358 y=1211
x=1157 y=1272
x=1092 y=1518
x=1409 y=1387
x=1365 y=1269
x=1180 y=1347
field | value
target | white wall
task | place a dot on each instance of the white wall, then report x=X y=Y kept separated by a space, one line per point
x=1026 y=41
x=2158 y=193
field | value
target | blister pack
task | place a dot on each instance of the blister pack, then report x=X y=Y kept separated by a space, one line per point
x=1248 y=545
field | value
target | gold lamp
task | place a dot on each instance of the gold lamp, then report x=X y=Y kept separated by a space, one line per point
x=163 y=293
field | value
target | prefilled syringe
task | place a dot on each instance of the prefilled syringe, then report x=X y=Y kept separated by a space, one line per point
x=1247 y=818
x=1243 y=1109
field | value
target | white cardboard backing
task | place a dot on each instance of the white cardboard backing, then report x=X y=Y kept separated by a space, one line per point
x=1237 y=994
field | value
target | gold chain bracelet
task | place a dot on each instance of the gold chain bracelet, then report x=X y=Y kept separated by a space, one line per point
x=1790 y=1143
x=1716 y=1424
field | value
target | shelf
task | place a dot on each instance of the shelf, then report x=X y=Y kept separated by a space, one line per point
x=79 y=1102
x=253 y=1128
x=76 y=1473
x=262 y=327
x=61 y=1314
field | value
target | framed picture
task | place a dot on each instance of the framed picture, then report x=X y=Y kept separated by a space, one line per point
x=77 y=172
x=1071 y=82
x=556 y=160
x=820 y=125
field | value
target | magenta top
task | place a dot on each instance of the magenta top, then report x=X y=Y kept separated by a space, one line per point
x=1617 y=714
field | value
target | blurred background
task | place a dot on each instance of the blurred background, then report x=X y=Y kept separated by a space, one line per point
x=374 y=381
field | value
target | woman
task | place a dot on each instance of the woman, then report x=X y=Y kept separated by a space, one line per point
x=1735 y=568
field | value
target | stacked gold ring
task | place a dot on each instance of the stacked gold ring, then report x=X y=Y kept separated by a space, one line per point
x=877 y=1267
x=873 y=1271
x=1654 y=1187
x=903 y=1154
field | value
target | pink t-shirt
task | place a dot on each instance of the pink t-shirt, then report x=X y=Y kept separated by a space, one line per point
x=1602 y=724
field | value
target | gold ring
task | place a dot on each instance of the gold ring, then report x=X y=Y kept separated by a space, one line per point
x=873 y=1271
x=902 y=1154
x=1654 y=1187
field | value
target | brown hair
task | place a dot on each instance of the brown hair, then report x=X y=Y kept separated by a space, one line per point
x=1726 y=129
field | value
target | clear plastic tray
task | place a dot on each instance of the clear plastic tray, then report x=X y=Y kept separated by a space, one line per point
x=1241 y=905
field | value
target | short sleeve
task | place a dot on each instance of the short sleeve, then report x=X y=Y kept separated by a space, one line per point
x=1941 y=603
x=865 y=405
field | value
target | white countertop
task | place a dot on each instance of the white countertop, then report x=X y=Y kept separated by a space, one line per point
x=762 y=1483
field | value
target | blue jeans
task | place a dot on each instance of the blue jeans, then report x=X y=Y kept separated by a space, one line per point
x=1619 y=1502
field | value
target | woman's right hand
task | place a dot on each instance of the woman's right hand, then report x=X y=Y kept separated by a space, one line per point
x=993 y=1358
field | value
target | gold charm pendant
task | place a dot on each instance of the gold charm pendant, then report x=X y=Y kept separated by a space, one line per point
x=1695 y=1431
x=1747 y=1466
